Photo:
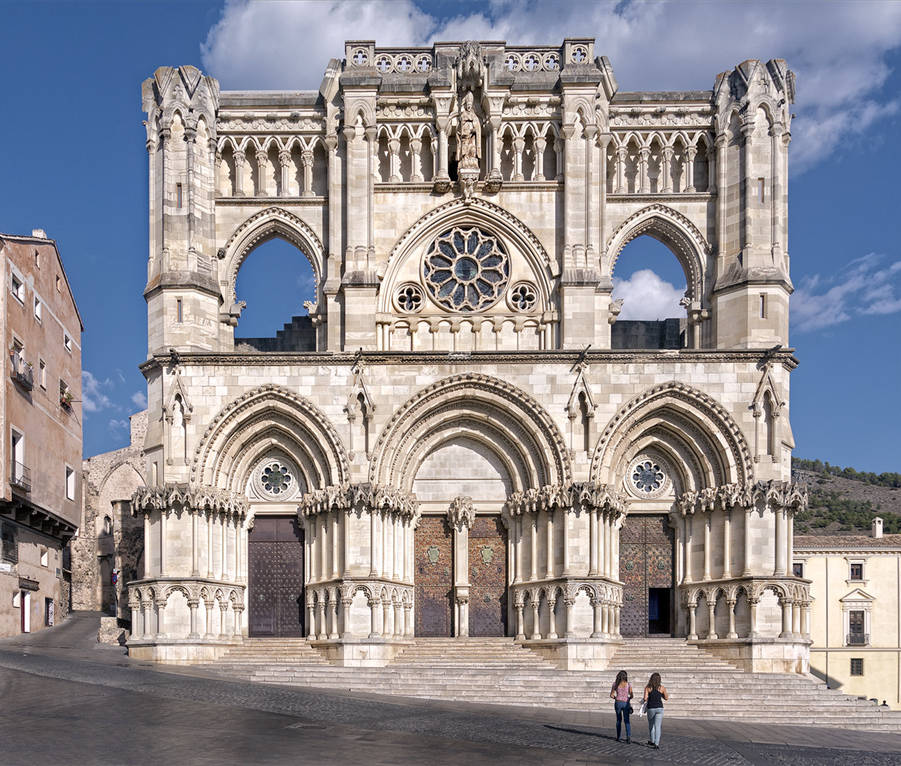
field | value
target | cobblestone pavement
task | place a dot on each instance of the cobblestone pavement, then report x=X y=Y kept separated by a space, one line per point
x=64 y=699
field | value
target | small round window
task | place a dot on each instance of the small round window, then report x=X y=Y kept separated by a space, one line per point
x=276 y=479
x=648 y=476
x=466 y=269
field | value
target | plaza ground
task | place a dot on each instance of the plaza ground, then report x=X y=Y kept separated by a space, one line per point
x=66 y=698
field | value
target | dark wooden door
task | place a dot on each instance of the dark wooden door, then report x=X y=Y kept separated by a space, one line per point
x=645 y=562
x=434 y=571
x=487 y=577
x=275 y=577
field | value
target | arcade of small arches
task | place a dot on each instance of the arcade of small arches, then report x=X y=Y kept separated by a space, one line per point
x=470 y=523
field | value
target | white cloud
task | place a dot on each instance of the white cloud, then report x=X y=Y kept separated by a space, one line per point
x=116 y=425
x=646 y=296
x=837 y=49
x=864 y=286
x=139 y=398
x=93 y=396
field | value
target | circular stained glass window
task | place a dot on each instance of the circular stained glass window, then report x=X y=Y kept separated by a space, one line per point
x=276 y=479
x=648 y=476
x=466 y=269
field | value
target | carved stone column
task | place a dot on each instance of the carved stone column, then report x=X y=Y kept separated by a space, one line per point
x=461 y=514
x=568 y=631
x=375 y=606
x=533 y=601
x=416 y=161
x=240 y=165
x=394 y=175
x=620 y=186
x=597 y=618
x=538 y=147
x=333 y=614
x=786 y=604
x=519 y=144
x=731 y=604
x=262 y=164
x=552 y=620
x=708 y=523
x=727 y=543
x=306 y=162
x=645 y=181
x=690 y=154
x=223 y=618
x=192 y=605
x=666 y=170
x=711 y=619
x=692 y=622
x=520 y=622
x=284 y=166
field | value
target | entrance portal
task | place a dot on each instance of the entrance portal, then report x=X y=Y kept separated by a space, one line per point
x=434 y=573
x=646 y=568
x=275 y=577
x=487 y=577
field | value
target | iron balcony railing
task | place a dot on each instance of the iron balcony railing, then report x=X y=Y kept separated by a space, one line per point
x=858 y=639
x=22 y=372
x=20 y=476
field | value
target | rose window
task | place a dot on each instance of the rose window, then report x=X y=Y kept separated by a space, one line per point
x=409 y=298
x=466 y=269
x=648 y=476
x=522 y=297
x=276 y=479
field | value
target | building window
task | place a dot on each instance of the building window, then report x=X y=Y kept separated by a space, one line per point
x=67 y=342
x=466 y=269
x=38 y=308
x=763 y=305
x=178 y=196
x=17 y=599
x=65 y=395
x=857 y=571
x=857 y=635
x=9 y=551
x=59 y=283
x=70 y=483
x=45 y=557
x=18 y=289
x=798 y=569
x=178 y=310
x=42 y=373
x=19 y=474
x=37 y=258
x=761 y=190
x=857 y=666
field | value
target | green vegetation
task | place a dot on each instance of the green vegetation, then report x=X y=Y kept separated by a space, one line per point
x=828 y=507
x=887 y=479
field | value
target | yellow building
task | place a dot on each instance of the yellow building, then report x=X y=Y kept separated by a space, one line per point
x=856 y=611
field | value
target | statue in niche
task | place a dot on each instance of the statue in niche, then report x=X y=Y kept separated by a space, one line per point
x=469 y=135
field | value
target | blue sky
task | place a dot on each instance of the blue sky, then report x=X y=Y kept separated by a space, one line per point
x=74 y=163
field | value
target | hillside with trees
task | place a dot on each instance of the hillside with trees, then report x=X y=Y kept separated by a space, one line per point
x=845 y=500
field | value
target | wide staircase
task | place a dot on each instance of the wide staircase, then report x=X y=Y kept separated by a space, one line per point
x=496 y=670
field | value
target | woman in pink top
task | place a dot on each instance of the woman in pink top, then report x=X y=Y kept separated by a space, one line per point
x=621 y=693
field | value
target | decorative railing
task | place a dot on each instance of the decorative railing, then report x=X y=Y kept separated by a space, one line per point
x=858 y=639
x=22 y=372
x=20 y=476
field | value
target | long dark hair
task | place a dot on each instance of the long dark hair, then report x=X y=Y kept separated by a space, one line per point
x=620 y=677
x=654 y=681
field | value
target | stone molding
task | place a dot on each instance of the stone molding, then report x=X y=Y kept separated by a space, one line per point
x=573 y=496
x=178 y=498
x=360 y=498
x=776 y=495
x=790 y=588
x=461 y=513
x=194 y=589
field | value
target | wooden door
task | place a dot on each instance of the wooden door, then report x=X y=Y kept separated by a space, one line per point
x=487 y=577
x=275 y=577
x=645 y=561
x=434 y=573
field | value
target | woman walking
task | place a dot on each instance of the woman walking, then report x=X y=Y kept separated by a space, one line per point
x=654 y=694
x=621 y=693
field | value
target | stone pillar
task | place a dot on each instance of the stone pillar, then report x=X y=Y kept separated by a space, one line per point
x=223 y=611
x=692 y=622
x=644 y=186
x=148 y=622
x=336 y=539
x=549 y=568
x=164 y=514
x=620 y=185
x=238 y=628
x=374 y=544
x=416 y=161
x=134 y=621
x=222 y=547
x=209 y=544
x=387 y=618
x=408 y=612
x=311 y=619
x=538 y=147
x=786 y=604
x=194 y=563
x=616 y=610
x=536 y=633
x=593 y=543
x=680 y=551
x=708 y=523
x=779 y=569
x=192 y=605
x=284 y=167
x=306 y=162
x=731 y=604
x=552 y=618
x=746 y=571
x=789 y=540
x=161 y=617
x=517 y=533
x=568 y=630
x=711 y=619
x=208 y=619
x=690 y=154
x=666 y=170
x=608 y=545
x=346 y=603
x=747 y=182
x=441 y=174
x=727 y=543
x=394 y=175
x=752 y=605
x=519 y=144
x=533 y=562
x=711 y=169
x=796 y=620
x=564 y=514
x=333 y=615
x=375 y=605
x=240 y=164
x=147 y=548
x=689 y=522
x=520 y=622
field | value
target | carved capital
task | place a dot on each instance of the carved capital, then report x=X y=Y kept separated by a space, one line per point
x=461 y=513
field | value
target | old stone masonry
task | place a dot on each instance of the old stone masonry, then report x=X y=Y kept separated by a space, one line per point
x=461 y=438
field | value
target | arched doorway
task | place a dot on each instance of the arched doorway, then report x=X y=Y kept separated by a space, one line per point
x=646 y=570
x=275 y=581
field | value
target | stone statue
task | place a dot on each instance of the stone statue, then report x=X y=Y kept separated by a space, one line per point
x=469 y=136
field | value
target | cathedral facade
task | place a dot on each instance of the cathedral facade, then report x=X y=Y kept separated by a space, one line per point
x=461 y=438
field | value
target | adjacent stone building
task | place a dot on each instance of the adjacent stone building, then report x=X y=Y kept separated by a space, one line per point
x=856 y=616
x=40 y=454
x=109 y=538
x=460 y=441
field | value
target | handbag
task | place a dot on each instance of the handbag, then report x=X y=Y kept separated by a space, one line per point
x=630 y=709
x=642 y=711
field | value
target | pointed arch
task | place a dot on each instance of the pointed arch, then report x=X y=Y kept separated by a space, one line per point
x=261 y=227
x=684 y=422
x=264 y=418
x=504 y=418
x=672 y=229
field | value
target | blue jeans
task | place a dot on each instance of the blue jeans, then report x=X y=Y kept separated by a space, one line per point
x=655 y=721
x=622 y=712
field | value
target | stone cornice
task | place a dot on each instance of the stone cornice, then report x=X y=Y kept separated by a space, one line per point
x=187 y=497
x=467 y=359
x=363 y=497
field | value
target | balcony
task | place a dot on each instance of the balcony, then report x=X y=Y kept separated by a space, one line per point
x=22 y=372
x=857 y=639
x=20 y=476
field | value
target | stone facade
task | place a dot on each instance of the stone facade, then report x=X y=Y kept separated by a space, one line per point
x=40 y=452
x=463 y=208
